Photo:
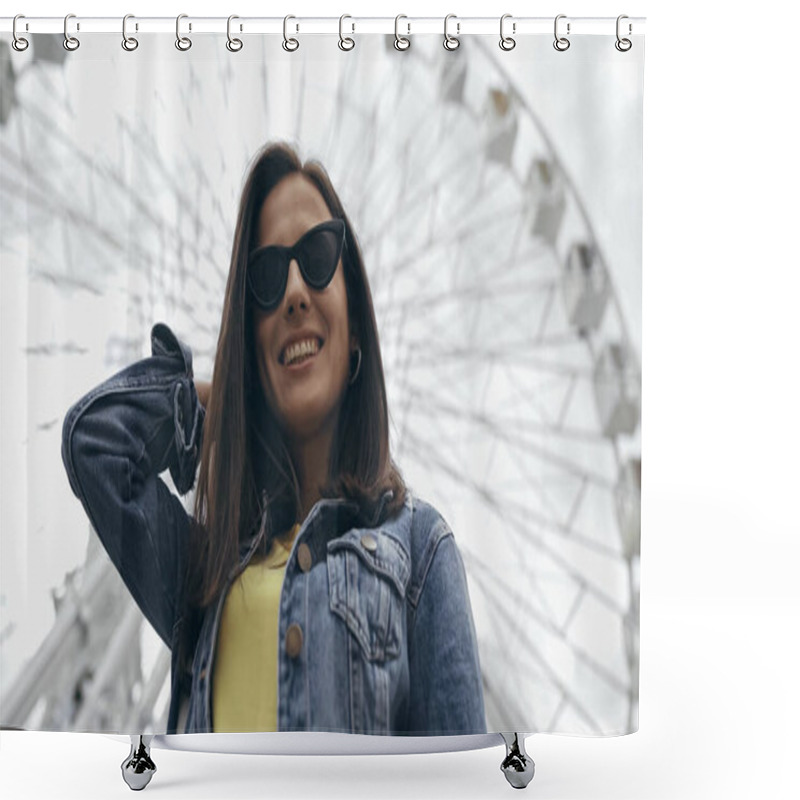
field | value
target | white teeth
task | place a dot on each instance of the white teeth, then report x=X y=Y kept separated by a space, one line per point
x=300 y=349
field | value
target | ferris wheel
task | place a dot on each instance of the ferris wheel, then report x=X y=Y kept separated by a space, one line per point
x=514 y=386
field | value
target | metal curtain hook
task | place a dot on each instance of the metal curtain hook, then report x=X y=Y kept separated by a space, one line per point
x=129 y=43
x=182 y=42
x=561 y=43
x=289 y=44
x=506 y=42
x=19 y=43
x=70 y=42
x=451 y=42
x=234 y=45
x=345 y=42
x=623 y=45
x=401 y=42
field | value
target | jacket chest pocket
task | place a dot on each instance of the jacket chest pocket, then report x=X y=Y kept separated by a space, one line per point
x=367 y=576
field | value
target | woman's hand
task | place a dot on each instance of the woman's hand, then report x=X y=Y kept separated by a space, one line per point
x=203 y=391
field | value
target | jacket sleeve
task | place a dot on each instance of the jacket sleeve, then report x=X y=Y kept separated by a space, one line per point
x=446 y=692
x=116 y=440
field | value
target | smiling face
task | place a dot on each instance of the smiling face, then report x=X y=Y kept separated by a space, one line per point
x=304 y=396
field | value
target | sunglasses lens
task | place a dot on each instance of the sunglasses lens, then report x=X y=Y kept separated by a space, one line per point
x=319 y=255
x=266 y=275
x=317 y=252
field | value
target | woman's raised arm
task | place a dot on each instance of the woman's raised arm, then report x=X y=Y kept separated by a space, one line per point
x=116 y=440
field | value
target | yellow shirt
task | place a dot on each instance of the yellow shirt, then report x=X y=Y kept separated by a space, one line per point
x=245 y=679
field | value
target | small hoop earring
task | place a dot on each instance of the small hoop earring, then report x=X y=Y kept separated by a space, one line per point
x=358 y=367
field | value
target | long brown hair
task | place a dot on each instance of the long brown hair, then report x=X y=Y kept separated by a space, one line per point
x=244 y=452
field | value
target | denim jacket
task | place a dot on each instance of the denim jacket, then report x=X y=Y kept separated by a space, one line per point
x=376 y=636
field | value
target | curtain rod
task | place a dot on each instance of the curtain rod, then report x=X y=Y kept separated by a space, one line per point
x=327 y=25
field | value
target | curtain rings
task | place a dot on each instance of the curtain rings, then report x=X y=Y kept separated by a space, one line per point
x=182 y=42
x=401 y=42
x=345 y=42
x=20 y=43
x=561 y=43
x=506 y=42
x=623 y=45
x=289 y=44
x=70 y=42
x=129 y=43
x=233 y=45
x=451 y=42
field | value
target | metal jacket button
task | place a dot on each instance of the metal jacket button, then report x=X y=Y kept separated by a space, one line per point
x=369 y=542
x=294 y=640
x=304 y=557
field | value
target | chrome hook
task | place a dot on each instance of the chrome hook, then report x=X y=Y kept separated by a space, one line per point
x=623 y=45
x=233 y=45
x=345 y=42
x=451 y=42
x=561 y=43
x=506 y=42
x=182 y=42
x=289 y=44
x=129 y=43
x=401 y=42
x=70 y=42
x=20 y=43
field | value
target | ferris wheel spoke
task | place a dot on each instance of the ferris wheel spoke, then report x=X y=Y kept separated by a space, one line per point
x=459 y=206
x=521 y=640
x=451 y=236
x=112 y=180
x=419 y=195
x=506 y=596
x=507 y=509
x=498 y=426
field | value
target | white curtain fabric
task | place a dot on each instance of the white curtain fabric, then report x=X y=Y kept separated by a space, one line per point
x=497 y=199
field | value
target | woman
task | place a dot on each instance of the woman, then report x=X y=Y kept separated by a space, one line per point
x=310 y=590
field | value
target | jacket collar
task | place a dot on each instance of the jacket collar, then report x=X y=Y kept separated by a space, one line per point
x=341 y=514
x=399 y=525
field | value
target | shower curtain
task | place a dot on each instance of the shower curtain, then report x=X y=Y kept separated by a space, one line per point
x=494 y=194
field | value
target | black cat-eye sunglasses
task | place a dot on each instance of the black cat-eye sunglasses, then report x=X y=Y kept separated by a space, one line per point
x=317 y=253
